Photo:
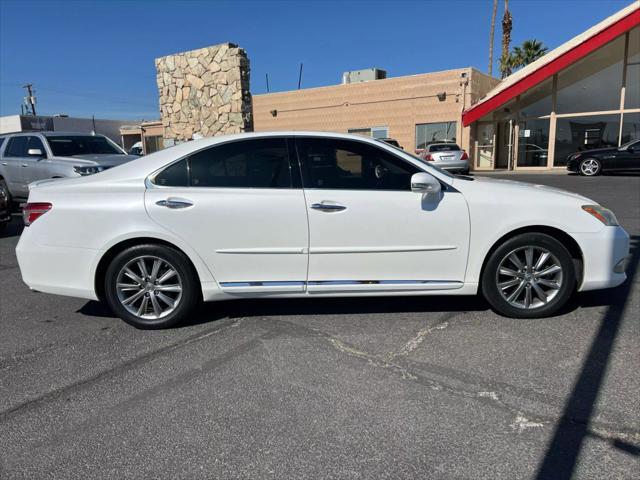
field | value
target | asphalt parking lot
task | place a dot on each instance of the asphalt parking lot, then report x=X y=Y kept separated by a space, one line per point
x=433 y=387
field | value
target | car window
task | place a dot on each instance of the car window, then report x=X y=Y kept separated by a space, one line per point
x=450 y=147
x=17 y=147
x=255 y=163
x=176 y=175
x=70 y=145
x=351 y=165
x=1 y=142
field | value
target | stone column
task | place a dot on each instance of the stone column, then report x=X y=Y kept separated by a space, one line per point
x=204 y=92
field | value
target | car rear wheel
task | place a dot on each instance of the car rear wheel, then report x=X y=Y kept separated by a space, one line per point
x=590 y=167
x=529 y=276
x=151 y=286
x=4 y=190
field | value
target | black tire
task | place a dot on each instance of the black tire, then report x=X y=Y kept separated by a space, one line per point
x=186 y=276
x=594 y=170
x=5 y=188
x=540 y=242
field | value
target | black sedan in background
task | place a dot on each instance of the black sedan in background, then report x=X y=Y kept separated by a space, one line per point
x=593 y=162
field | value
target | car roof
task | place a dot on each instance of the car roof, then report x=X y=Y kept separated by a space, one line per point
x=51 y=133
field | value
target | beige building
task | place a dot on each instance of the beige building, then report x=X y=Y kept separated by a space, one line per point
x=413 y=110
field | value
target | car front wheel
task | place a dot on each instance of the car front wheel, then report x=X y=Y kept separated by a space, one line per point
x=529 y=276
x=590 y=167
x=151 y=286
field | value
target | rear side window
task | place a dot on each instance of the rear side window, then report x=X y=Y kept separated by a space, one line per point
x=176 y=175
x=257 y=163
x=350 y=165
x=452 y=147
x=17 y=147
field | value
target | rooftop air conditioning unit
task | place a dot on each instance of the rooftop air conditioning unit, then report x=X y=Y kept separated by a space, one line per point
x=366 y=75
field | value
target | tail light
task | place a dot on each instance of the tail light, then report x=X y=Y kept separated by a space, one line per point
x=32 y=211
x=428 y=157
x=464 y=156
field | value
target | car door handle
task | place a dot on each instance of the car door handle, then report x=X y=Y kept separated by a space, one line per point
x=175 y=203
x=25 y=165
x=328 y=207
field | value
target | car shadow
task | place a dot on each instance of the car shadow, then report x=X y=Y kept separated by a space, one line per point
x=14 y=227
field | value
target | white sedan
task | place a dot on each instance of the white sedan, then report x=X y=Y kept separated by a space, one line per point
x=302 y=214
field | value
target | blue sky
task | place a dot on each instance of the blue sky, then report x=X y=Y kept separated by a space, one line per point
x=96 y=57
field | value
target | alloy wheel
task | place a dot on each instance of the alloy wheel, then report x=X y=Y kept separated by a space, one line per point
x=529 y=277
x=589 y=167
x=149 y=287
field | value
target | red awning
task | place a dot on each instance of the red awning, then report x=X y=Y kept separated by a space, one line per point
x=547 y=70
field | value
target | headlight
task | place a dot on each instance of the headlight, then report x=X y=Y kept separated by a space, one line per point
x=87 y=170
x=605 y=215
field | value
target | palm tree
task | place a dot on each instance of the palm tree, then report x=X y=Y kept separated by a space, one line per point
x=528 y=52
x=507 y=23
x=491 y=35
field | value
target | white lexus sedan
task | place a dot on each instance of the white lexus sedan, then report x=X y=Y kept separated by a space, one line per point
x=302 y=214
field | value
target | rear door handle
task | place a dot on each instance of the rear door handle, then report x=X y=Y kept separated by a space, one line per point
x=328 y=207
x=25 y=165
x=175 y=203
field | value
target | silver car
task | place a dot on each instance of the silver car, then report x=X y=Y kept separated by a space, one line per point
x=447 y=156
x=27 y=157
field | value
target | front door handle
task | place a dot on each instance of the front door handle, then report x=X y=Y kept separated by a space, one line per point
x=175 y=203
x=25 y=165
x=328 y=207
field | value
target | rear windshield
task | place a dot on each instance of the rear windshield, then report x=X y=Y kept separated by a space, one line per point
x=68 y=146
x=444 y=147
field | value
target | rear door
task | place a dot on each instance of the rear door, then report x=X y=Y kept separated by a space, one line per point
x=240 y=205
x=14 y=162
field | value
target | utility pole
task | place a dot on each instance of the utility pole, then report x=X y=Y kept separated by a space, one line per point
x=30 y=99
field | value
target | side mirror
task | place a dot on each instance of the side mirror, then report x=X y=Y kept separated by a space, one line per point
x=422 y=182
x=34 y=152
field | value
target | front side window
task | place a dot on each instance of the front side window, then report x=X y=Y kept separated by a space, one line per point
x=71 y=145
x=347 y=165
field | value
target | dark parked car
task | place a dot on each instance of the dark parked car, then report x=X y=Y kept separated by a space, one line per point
x=593 y=162
x=391 y=141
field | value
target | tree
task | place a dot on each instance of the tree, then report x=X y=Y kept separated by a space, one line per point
x=528 y=52
x=507 y=23
x=491 y=35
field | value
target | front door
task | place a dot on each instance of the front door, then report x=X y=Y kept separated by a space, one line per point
x=240 y=205
x=368 y=230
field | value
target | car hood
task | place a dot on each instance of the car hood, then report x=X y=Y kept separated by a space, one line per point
x=518 y=190
x=104 y=160
x=596 y=151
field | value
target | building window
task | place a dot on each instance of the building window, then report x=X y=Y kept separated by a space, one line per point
x=533 y=144
x=632 y=90
x=427 y=133
x=576 y=134
x=153 y=144
x=537 y=102
x=375 y=132
x=594 y=83
x=630 y=127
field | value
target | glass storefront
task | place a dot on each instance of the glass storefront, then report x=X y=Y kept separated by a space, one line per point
x=581 y=107
x=575 y=134
x=533 y=143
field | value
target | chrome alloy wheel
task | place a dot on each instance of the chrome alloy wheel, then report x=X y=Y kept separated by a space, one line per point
x=529 y=277
x=589 y=167
x=149 y=287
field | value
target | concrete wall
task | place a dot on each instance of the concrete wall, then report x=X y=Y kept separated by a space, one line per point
x=398 y=103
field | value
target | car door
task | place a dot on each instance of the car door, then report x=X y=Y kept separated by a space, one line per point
x=630 y=160
x=36 y=165
x=14 y=162
x=368 y=230
x=240 y=205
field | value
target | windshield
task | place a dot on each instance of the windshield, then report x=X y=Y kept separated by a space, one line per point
x=71 y=145
x=628 y=144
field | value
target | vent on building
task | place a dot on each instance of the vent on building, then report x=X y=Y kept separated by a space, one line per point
x=365 y=75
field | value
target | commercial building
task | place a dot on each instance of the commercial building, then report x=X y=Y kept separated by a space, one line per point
x=61 y=123
x=414 y=109
x=584 y=94
x=149 y=134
